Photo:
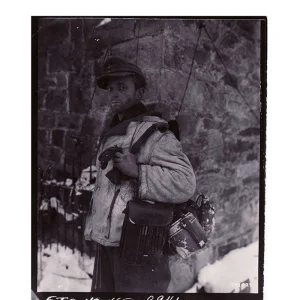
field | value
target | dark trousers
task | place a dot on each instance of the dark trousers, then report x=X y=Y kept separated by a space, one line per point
x=112 y=275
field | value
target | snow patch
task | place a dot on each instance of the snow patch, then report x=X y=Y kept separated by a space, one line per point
x=61 y=270
x=227 y=274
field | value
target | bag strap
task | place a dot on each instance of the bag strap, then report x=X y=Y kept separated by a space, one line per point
x=143 y=138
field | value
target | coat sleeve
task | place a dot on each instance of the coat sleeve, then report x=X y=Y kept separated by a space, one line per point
x=169 y=176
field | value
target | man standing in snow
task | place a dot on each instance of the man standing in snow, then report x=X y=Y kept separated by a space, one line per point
x=159 y=172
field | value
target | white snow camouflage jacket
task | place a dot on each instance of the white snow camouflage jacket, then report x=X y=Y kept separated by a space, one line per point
x=165 y=175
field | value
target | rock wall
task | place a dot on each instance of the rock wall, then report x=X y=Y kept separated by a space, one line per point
x=219 y=118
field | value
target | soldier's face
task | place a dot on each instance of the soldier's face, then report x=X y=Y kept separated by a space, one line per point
x=122 y=93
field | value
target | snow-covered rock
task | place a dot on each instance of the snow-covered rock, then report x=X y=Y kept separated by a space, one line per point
x=44 y=205
x=227 y=274
x=84 y=181
x=68 y=182
x=63 y=270
x=55 y=203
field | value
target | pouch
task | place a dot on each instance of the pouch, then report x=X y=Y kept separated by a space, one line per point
x=145 y=232
x=187 y=235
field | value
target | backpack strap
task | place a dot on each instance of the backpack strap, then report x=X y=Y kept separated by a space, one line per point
x=162 y=127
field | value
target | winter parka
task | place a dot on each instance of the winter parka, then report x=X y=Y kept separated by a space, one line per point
x=165 y=175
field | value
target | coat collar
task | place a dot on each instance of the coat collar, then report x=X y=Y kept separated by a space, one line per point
x=119 y=127
x=133 y=111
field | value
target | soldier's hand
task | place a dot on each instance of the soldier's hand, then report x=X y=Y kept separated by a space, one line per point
x=126 y=163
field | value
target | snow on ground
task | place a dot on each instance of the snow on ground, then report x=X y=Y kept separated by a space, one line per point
x=227 y=274
x=63 y=270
